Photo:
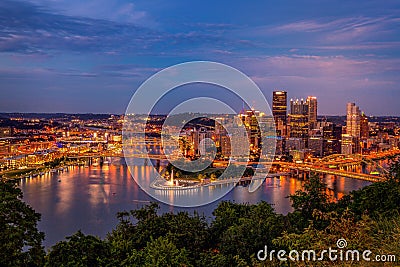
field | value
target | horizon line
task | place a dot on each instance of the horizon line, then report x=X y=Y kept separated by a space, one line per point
x=162 y=114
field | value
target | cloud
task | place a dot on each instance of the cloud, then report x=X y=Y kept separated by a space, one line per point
x=126 y=71
x=222 y=52
x=302 y=26
x=346 y=33
x=112 y=10
x=29 y=28
x=24 y=72
x=336 y=25
x=362 y=46
x=324 y=67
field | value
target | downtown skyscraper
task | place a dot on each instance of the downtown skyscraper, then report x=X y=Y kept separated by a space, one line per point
x=351 y=139
x=279 y=111
x=298 y=119
x=364 y=128
x=312 y=112
x=279 y=105
x=353 y=116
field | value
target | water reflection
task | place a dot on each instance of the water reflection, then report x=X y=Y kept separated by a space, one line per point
x=88 y=198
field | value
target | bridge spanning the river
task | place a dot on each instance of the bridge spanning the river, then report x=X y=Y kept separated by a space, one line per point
x=333 y=164
x=308 y=168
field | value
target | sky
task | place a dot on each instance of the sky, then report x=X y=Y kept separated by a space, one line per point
x=90 y=56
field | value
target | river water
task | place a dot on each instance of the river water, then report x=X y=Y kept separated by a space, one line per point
x=87 y=198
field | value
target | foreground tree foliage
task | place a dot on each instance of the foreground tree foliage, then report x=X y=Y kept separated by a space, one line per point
x=137 y=227
x=20 y=240
x=368 y=218
x=249 y=232
x=305 y=202
x=379 y=236
x=379 y=199
x=79 y=250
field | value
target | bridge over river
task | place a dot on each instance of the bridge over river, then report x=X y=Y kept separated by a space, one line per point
x=324 y=166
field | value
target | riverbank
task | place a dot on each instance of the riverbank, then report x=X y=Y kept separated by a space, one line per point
x=48 y=167
x=208 y=174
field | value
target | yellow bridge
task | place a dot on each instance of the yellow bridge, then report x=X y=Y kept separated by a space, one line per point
x=324 y=166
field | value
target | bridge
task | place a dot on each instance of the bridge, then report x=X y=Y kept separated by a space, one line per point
x=111 y=154
x=343 y=160
x=324 y=170
x=293 y=166
x=324 y=166
x=340 y=161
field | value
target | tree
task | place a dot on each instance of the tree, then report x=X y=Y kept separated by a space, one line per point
x=189 y=232
x=162 y=252
x=380 y=236
x=377 y=199
x=20 y=239
x=122 y=243
x=217 y=259
x=312 y=197
x=394 y=171
x=226 y=215
x=251 y=232
x=382 y=198
x=79 y=250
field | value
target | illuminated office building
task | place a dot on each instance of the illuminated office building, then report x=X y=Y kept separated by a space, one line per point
x=279 y=105
x=332 y=135
x=364 y=129
x=353 y=129
x=298 y=119
x=316 y=145
x=347 y=144
x=312 y=111
x=353 y=120
x=255 y=122
x=249 y=119
x=279 y=111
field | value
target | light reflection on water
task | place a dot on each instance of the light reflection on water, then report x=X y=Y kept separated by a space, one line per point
x=88 y=198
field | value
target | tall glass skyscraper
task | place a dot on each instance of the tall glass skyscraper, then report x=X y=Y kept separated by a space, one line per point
x=298 y=119
x=350 y=140
x=353 y=120
x=279 y=105
x=312 y=111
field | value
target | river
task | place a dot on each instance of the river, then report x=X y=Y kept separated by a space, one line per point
x=87 y=198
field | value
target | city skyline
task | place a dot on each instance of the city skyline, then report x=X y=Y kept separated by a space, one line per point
x=274 y=109
x=66 y=56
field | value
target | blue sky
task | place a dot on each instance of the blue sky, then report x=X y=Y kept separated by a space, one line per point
x=90 y=56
